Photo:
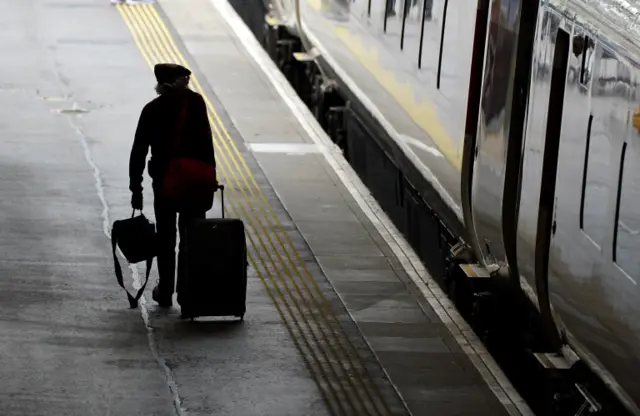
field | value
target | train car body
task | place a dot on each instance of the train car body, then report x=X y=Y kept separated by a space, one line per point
x=579 y=218
x=548 y=188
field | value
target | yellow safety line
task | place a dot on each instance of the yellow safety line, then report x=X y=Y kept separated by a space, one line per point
x=151 y=20
x=136 y=38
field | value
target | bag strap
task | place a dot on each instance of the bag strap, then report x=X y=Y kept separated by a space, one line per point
x=180 y=127
x=133 y=301
x=221 y=188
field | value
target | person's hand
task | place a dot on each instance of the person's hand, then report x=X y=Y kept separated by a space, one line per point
x=136 y=201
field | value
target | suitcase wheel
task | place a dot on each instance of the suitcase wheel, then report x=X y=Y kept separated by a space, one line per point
x=241 y=317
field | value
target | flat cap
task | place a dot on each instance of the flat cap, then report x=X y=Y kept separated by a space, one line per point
x=168 y=73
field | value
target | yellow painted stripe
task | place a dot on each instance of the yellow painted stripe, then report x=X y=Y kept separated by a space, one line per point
x=302 y=306
x=422 y=112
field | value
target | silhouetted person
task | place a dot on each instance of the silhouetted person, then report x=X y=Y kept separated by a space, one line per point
x=157 y=129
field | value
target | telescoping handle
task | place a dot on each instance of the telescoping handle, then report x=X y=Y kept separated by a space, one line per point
x=221 y=188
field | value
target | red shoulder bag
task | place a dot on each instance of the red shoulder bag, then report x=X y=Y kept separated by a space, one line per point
x=189 y=184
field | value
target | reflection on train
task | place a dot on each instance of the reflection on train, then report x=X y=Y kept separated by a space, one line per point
x=553 y=203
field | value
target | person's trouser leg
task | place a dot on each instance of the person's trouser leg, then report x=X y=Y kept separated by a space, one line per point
x=166 y=230
x=183 y=220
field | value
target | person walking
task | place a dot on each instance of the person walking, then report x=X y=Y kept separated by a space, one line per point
x=177 y=111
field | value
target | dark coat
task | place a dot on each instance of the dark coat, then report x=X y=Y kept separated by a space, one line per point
x=157 y=130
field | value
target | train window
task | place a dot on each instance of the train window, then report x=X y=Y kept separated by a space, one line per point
x=627 y=235
x=596 y=184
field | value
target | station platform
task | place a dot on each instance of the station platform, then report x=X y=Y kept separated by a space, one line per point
x=341 y=318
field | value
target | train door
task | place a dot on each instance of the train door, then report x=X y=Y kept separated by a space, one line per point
x=534 y=140
x=507 y=65
x=541 y=152
x=582 y=190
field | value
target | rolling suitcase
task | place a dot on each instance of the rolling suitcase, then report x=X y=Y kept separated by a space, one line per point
x=214 y=278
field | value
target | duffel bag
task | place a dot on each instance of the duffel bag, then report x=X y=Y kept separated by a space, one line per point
x=136 y=237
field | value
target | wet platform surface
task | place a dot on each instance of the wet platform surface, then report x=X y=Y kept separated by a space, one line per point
x=334 y=326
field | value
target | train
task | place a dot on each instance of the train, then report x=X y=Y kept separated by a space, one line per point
x=519 y=122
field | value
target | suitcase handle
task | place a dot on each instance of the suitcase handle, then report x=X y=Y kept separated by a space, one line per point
x=221 y=188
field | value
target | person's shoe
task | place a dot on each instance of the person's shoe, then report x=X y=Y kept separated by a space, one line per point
x=163 y=302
